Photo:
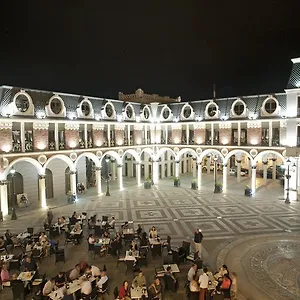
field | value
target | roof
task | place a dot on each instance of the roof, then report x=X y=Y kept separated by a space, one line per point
x=294 y=80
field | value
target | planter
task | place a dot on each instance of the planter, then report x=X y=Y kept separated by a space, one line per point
x=71 y=199
x=177 y=183
x=147 y=185
x=248 y=192
x=194 y=186
x=218 y=189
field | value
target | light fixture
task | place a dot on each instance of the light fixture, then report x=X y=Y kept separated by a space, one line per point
x=12 y=171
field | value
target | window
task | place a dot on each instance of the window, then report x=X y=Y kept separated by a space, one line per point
x=129 y=112
x=56 y=106
x=187 y=112
x=239 y=108
x=109 y=110
x=146 y=113
x=85 y=108
x=212 y=110
x=270 y=106
x=166 y=113
x=22 y=103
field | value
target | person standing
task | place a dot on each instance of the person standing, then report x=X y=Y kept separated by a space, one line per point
x=49 y=216
x=233 y=287
x=203 y=283
x=198 y=237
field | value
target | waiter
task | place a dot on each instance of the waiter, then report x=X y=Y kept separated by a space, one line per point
x=198 y=237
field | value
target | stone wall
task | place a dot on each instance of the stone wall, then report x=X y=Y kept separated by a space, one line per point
x=138 y=137
x=72 y=138
x=40 y=140
x=199 y=136
x=6 y=139
x=225 y=136
x=254 y=133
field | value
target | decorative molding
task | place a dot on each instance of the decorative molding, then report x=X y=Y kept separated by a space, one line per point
x=224 y=151
x=119 y=166
x=253 y=152
x=42 y=176
x=199 y=163
x=253 y=167
x=72 y=126
x=98 y=169
x=238 y=161
x=283 y=123
x=73 y=172
x=120 y=152
x=6 y=125
x=40 y=126
x=99 y=154
x=119 y=126
x=98 y=126
x=199 y=126
x=73 y=156
x=4 y=162
x=265 y=162
x=176 y=126
x=224 y=125
x=176 y=150
x=252 y=124
x=42 y=159
x=198 y=151
x=3 y=182
x=138 y=126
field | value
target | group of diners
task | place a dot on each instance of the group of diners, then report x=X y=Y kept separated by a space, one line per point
x=203 y=284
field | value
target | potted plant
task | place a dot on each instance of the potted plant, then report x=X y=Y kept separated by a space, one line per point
x=248 y=191
x=71 y=197
x=194 y=184
x=218 y=188
x=148 y=183
x=176 y=181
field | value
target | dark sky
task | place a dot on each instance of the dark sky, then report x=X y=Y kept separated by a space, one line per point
x=166 y=47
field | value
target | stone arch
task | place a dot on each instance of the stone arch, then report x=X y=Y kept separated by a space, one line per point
x=89 y=155
x=148 y=151
x=208 y=151
x=30 y=160
x=186 y=150
x=234 y=152
x=113 y=154
x=266 y=152
x=161 y=151
x=62 y=157
x=136 y=156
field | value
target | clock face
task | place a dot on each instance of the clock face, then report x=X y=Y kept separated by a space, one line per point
x=166 y=113
x=129 y=112
x=109 y=110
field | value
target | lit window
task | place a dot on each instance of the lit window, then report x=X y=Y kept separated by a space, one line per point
x=146 y=113
x=22 y=103
x=56 y=106
x=187 y=112
x=166 y=113
x=212 y=110
x=129 y=112
x=239 y=108
x=85 y=108
x=109 y=110
x=270 y=106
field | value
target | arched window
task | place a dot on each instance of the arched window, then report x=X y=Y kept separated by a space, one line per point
x=85 y=108
x=166 y=113
x=187 y=112
x=212 y=110
x=270 y=106
x=129 y=112
x=56 y=106
x=22 y=103
x=239 y=108
x=109 y=111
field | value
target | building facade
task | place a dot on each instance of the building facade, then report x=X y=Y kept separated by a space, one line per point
x=51 y=141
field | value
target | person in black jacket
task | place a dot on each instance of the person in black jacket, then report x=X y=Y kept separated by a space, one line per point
x=198 y=237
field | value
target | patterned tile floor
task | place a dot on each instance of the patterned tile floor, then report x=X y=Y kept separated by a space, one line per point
x=224 y=218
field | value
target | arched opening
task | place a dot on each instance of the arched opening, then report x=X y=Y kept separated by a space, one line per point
x=166 y=163
x=187 y=164
x=129 y=168
x=15 y=187
x=49 y=184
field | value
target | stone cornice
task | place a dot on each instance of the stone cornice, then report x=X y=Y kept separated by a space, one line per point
x=199 y=126
x=252 y=124
x=98 y=126
x=40 y=126
x=225 y=125
x=6 y=125
x=72 y=126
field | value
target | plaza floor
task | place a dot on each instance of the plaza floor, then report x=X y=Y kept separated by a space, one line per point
x=257 y=237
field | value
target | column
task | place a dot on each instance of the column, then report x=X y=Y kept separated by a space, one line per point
x=120 y=177
x=98 y=180
x=212 y=133
x=249 y=168
x=138 y=173
x=113 y=170
x=56 y=138
x=155 y=170
x=238 y=170
x=253 y=180
x=146 y=166
x=265 y=171
x=73 y=188
x=239 y=134
x=163 y=167
x=224 y=177
x=208 y=164
x=199 y=175
x=177 y=162
x=3 y=197
x=166 y=142
x=85 y=136
x=168 y=164
x=274 y=168
x=194 y=163
x=22 y=130
x=184 y=163
x=128 y=134
x=145 y=134
x=108 y=135
x=42 y=190
x=179 y=167
x=130 y=168
x=270 y=133
x=187 y=134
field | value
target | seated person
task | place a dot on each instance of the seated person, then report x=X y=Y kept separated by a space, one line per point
x=124 y=292
x=105 y=234
x=222 y=271
x=133 y=246
x=4 y=275
x=73 y=219
x=29 y=247
x=75 y=273
x=49 y=287
x=23 y=199
x=86 y=287
x=103 y=279
x=139 y=280
x=93 y=270
x=43 y=239
x=91 y=239
x=155 y=289
x=77 y=227
x=153 y=233
x=60 y=279
x=29 y=264
x=139 y=230
x=2 y=242
x=125 y=225
x=9 y=236
x=98 y=223
x=144 y=240
x=61 y=220
x=217 y=293
x=112 y=223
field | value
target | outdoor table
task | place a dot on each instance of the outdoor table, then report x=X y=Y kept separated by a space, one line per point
x=154 y=241
x=7 y=258
x=133 y=256
x=138 y=292
x=102 y=242
x=174 y=268
x=26 y=276
x=23 y=235
x=128 y=231
x=78 y=232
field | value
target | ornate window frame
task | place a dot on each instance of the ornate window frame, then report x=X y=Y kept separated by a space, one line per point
x=217 y=114
x=50 y=113
x=233 y=113
x=29 y=111
x=125 y=116
x=191 y=116
x=103 y=111
x=81 y=114
x=142 y=114
x=263 y=111
x=161 y=117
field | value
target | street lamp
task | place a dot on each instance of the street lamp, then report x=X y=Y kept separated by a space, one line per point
x=107 y=177
x=13 y=214
x=288 y=177
x=215 y=172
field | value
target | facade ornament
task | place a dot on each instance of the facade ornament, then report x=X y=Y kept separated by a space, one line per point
x=253 y=152
x=254 y=124
x=6 y=125
x=120 y=152
x=98 y=126
x=199 y=126
x=40 y=126
x=42 y=176
x=4 y=162
x=73 y=156
x=99 y=154
x=42 y=159
x=225 y=125
x=224 y=151
x=73 y=172
x=98 y=168
x=3 y=182
x=71 y=126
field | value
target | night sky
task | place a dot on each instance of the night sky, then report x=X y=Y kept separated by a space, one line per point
x=174 y=48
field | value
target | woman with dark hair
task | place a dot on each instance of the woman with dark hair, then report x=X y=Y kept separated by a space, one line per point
x=124 y=292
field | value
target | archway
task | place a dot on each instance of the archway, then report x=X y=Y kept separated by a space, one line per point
x=15 y=187
x=187 y=161
x=166 y=162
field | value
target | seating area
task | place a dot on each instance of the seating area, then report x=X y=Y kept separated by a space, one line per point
x=74 y=254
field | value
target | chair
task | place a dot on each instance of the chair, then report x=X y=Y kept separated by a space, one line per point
x=94 y=294
x=156 y=250
x=60 y=255
x=14 y=264
x=129 y=266
x=91 y=247
x=97 y=250
x=186 y=246
x=177 y=257
x=30 y=230
x=104 y=289
x=116 y=292
x=68 y=238
x=36 y=254
x=170 y=285
x=18 y=289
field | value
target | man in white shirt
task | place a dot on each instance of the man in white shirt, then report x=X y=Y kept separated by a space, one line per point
x=192 y=272
x=49 y=287
x=112 y=222
x=86 y=287
x=203 y=282
x=93 y=270
x=75 y=273
x=102 y=281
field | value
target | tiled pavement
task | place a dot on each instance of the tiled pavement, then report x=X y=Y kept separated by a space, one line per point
x=224 y=218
